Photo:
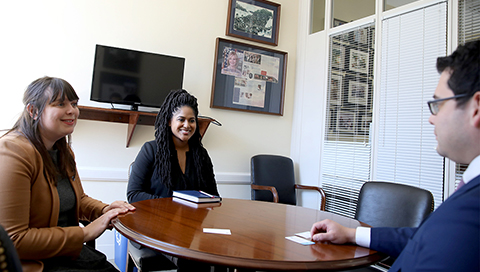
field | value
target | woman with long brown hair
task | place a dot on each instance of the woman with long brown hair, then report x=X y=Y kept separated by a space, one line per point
x=41 y=197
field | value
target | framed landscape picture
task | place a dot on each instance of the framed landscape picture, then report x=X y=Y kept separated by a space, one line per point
x=254 y=20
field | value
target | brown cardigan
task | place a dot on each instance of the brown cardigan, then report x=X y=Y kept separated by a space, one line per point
x=29 y=205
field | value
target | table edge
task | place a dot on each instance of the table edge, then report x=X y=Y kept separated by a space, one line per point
x=241 y=262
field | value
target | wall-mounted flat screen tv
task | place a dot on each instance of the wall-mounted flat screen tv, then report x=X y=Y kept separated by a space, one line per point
x=129 y=77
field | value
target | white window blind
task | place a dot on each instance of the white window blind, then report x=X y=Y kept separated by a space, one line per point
x=468 y=30
x=411 y=43
x=346 y=154
x=468 y=21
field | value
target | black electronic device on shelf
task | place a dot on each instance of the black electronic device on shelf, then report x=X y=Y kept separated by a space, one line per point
x=136 y=78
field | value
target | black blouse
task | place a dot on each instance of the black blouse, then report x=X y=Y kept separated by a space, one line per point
x=66 y=194
x=144 y=184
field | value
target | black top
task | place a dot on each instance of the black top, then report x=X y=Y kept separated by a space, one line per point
x=67 y=214
x=144 y=184
x=89 y=260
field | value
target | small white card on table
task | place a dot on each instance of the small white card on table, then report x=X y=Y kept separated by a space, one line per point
x=217 y=231
x=300 y=240
x=305 y=234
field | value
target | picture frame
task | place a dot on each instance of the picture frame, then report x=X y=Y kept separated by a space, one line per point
x=373 y=37
x=357 y=93
x=254 y=20
x=365 y=123
x=345 y=37
x=338 y=56
x=337 y=22
x=346 y=121
x=361 y=35
x=359 y=61
x=253 y=82
x=331 y=119
x=336 y=89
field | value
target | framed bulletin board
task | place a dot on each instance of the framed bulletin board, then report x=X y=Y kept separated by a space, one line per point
x=248 y=78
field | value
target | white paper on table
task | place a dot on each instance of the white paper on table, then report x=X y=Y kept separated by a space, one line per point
x=217 y=231
x=300 y=240
x=305 y=234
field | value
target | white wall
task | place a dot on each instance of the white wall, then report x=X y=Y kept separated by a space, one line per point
x=58 y=38
x=309 y=106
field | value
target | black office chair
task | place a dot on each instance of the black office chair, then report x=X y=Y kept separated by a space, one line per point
x=143 y=258
x=276 y=174
x=9 y=260
x=387 y=204
x=146 y=259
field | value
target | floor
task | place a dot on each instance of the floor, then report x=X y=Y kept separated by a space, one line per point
x=114 y=264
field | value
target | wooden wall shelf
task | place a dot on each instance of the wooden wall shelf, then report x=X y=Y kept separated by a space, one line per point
x=132 y=118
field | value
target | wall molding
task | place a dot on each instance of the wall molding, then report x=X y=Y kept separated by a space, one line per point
x=120 y=175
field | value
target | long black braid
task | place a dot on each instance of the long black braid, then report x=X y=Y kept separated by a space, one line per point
x=163 y=137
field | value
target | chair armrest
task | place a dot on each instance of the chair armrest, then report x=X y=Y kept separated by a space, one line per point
x=315 y=188
x=266 y=188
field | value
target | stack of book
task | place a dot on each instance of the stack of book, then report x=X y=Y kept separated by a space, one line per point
x=196 y=196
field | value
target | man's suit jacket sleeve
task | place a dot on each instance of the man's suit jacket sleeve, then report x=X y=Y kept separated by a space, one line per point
x=390 y=240
x=448 y=240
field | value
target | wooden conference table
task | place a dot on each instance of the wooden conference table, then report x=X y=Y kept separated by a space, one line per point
x=257 y=240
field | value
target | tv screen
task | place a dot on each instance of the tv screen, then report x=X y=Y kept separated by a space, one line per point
x=136 y=78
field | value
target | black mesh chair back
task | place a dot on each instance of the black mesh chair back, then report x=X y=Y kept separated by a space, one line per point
x=386 y=204
x=9 y=260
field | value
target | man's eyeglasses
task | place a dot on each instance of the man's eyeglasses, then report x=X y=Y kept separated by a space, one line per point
x=434 y=105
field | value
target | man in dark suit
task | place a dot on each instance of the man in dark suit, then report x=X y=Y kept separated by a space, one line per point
x=449 y=239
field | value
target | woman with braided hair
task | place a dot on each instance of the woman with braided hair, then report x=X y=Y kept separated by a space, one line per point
x=175 y=160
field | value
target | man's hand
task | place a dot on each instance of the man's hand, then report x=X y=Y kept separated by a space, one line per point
x=330 y=231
